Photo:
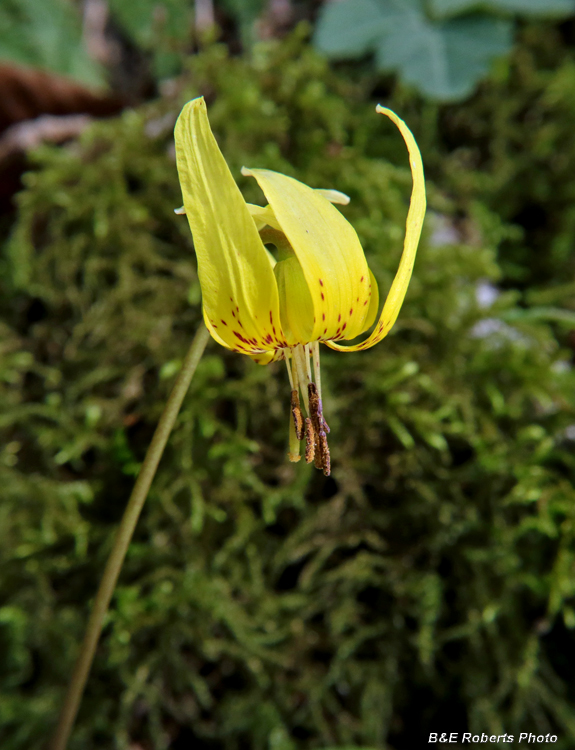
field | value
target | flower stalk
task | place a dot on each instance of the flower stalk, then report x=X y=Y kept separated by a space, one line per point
x=123 y=539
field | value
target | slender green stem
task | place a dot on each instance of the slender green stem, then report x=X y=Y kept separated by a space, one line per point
x=122 y=541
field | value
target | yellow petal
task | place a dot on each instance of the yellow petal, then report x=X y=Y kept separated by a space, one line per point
x=414 y=225
x=334 y=196
x=328 y=251
x=264 y=358
x=296 y=304
x=239 y=291
x=373 y=305
x=263 y=216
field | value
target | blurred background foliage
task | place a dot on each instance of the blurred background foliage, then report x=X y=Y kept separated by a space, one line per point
x=428 y=585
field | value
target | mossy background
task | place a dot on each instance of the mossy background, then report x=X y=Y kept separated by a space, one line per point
x=429 y=584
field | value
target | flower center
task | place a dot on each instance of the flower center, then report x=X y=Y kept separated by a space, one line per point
x=313 y=427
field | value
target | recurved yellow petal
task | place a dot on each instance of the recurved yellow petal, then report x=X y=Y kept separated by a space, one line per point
x=328 y=251
x=239 y=291
x=414 y=225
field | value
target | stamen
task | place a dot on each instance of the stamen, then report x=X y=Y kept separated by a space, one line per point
x=296 y=413
x=326 y=458
x=322 y=457
x=314 y=428
x=298 y=356
x=287 y=357
x=307 y=365
x=295 y=429
x=315 y=353
x=309 y=441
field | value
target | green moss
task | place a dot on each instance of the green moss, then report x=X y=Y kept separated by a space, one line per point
x=426 y=585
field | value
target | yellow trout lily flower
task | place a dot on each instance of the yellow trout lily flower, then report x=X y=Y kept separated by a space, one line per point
x=319 y=289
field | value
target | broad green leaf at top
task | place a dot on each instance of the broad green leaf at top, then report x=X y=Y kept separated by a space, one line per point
x=352 y=27
x=448 y=8
x=443 y=58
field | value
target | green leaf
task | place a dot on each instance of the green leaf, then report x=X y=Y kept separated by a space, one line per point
x=46 y=34
x=449 y=8
x=352 y=28
x=535 y=7
x=443 y=60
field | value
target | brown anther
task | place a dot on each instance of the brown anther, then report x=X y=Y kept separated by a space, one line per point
x=309 y=441
x=296 y=414
x=322 y=457
x=324 y=448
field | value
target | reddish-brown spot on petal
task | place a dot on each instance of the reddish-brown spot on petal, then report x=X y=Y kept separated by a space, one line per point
x=323 y=316
x=357 y=300
x=233 y=313
x=339 y=318
x=223 y=321
x=343 y=327
x=322 y=296
x=321 y=282
x=274 y=329
x=214 y=325
x=271 y=317
x=365 y=303
x=361 y=280
x=237 y=308
x=351 y=311
x=325 y=330
x=338 y=330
